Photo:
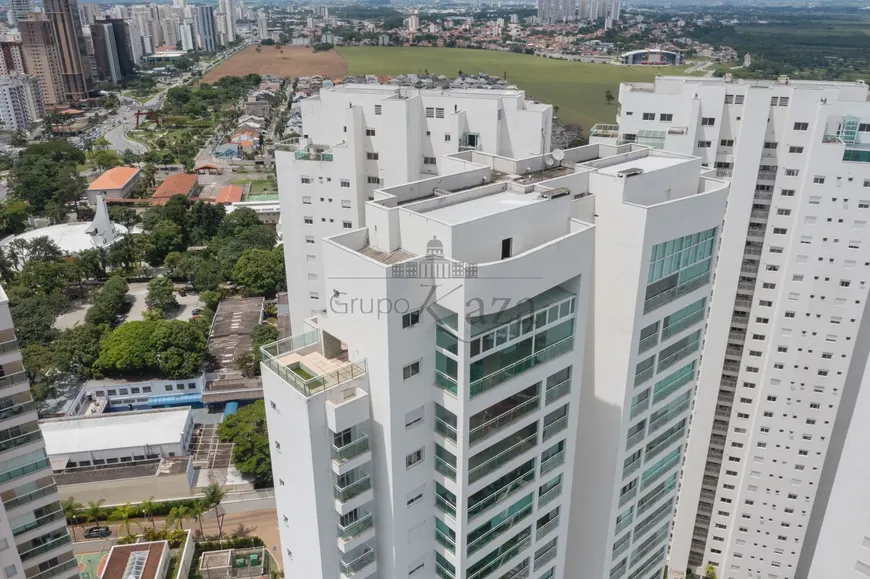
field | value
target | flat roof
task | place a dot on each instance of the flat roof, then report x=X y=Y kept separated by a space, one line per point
x=473 y=209
x=70 y=435
x=647 y=164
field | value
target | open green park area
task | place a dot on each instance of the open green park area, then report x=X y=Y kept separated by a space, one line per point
x=577 y=88
x=261 y=189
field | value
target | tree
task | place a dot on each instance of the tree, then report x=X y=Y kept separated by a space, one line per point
x=177 y=516
x=19 y=139
x=238 y=222
x=94 y=262
x=44 y=277
x=105 y=159
x=33 y=316
x=94 y=510
x=260 y=272
x=195 y=511
x=129 y=157
x=710 y=571
x=55 y=213
x=263 y=334
x=161 y=294
x=210 y=298
x=13 y=217
x=247 y=364
x=123 y=215
x=175 y=210
x=204 y=221
x=124 y=513
x=172 y=348
x=181 y=348
x=127 y=349
x=247 y=430
x=608 y=96
x=108 y=302
x=72 y=510
x=165 y=238
x=124 y=254
x=77 y=349
x=148 y=506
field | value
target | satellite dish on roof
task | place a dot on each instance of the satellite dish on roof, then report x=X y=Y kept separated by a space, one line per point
x=558 y=154
x=549 y=161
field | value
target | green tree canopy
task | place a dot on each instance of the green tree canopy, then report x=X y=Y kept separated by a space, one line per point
x=172 y=348
x=161 y=294
x=260 y=272
x=247 y=430
x=77 y=349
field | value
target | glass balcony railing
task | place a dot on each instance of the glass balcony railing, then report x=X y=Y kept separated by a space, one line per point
x=443 y=571
x=445 y=541
x=627 y=496
x=364 y=560
x=683 y=324
x=502 y=493
x=510 y=549
x=670 y=415
x=445 y=506
x=666 y=363
x=29 y=438
x=644 y=375
x=445 y=382
x=634 y=439
x=521 y=571
x=344 y=494
x=486 y=383
x=483 y=540
x=559 y=390
x=29 y=497
x=680 y=381
x=445 y=468
x=552 y=462
x=11 y=379
x=631 y=468
x=647 y=343
x=660 y=470
x=494 y=425
x=10 y=346
x=38 y=522
x=57 y=570
x=622 y=524
x=661 y=446
x=651 y=543
x=554 y=428
x=356 y=528
x=23 y=470
x=639 y=407
x=547 y=528
x=550 y=495
x=17 y=410
x=502 y=458
x=46 y=547
x=351 y=450
x=620 y=548
x=668 y=296
x=619 y=570
x=649 y=565
x=545 y=558
x=445 y=429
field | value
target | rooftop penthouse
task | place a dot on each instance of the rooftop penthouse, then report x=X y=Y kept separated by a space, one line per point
x=848 y=90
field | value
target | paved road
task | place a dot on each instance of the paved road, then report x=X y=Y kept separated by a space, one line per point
x=126 y=120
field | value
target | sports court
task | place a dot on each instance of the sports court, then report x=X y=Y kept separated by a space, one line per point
x=91 y=565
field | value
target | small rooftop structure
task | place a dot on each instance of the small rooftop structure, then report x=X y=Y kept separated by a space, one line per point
x=231 y=330
x=138 y=561
x=251 y=562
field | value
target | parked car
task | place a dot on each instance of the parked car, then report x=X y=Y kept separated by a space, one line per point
x=196 y=311
x=97 y=532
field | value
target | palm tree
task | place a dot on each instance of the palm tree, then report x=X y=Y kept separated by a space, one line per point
x=124 y=514
x=212 y=496
x=148 y=507
x=196 y=511
x=72 y=510
x=94 y=510
x=177 y=516
x=55 y=212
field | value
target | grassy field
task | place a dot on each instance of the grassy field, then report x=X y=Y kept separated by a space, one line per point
x=576 y=87
x=261 y=190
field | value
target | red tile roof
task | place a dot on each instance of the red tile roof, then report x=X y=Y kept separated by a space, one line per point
x=114 y=178
x=180 y=184
x=230 y=194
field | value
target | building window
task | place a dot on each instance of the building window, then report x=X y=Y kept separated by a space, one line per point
x=10 y=571
x=801 y=126
x=347 y=224
x=370 y=132
x=704 y=144
x=797 y=150
x=708 y=121
x=306 y=180
x=411 y=369
x=446 y=137
x=414 y=458
x=666 y=117
x=372 y=156
x=345 y=183
x=306 y=200
x=430 y=112
x=819 y=179
x=727 y=142
x=378 y=109
x=146 y=389
x=309 y=239
x=345 y=204
x=649 y=116
x=308 y=220
x=439 y=113
x=411 y=319
x=373 y=180
x=428 y=160
x=314 y=295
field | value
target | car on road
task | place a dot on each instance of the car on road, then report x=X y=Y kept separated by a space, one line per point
x=97 y=532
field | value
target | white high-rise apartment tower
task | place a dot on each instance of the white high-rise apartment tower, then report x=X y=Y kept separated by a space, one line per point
x=263 y=24
x=359 y=138
x=787 y=339
x=34 y=542
x=447 y=390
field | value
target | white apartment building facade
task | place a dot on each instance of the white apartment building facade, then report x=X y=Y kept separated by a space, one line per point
x=359 y=138
x=786 y=327
x=34 y=542
x=444 y=432
x=20 y=102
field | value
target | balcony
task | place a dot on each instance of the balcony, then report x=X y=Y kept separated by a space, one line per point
x=552 y=462
x=634 y=439
x=445 y=382
x=17 y=410
x=679 y=382
x=670 y=295
x=666 y=363
x=721 y=172
x=64 y=567
x=649 y=500
x=512 y=483
x=356 y=528
x=495 y=532
x=764 y=195
x=627 y=496
x=661 y=514
x=45 y=547
x=545 y=557
x=13 y=379
x=644 y=375
x=501 y=421
x=19 y=441
x=510 y=549
x=658 y=448
x=299 y=362
x=631 y=468
x=621 y=548
x=349 y=569
x=767 y=175
x=444 y=540
x=604 y=131
x=671 y=414
x=344 y=494
x=647 y=343
x=10 y=346
x=304 y=150
x=639 y=407
x=555 y=427
x=550 y=495
x=445 y=506
x=659 y=471
x=443 y=571
x=622 y=524
x=445 y=429
x=350 y=450
x=39 y=522
x=683 y=324
x=502 y=458
x=486 y=383
x=29 y=497
x=521 y=571
x=24 y=470
x=558 y=391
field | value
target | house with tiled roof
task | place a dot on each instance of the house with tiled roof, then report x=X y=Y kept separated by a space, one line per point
x=179 y=184
x=116 y=183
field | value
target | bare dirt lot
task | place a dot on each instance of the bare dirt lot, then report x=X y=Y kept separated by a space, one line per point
x=284 y=62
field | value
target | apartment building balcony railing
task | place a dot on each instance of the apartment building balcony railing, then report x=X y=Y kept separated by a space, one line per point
x=550 y=495
x=619 y=570
x=651 y=543
x=350 y=450
x=673 y=386
x=500 y=494
x=442 y=571
x=651 y=499
x=631 y=468
x=621 y=525
x=294 y=374
x=763 y=195
x=662 y=513
x=445 y=541
x=17 y=409
x=508 y=551
x=660 y=471
x=681 y=325
x=349 y=569
x=644 y=375
x=670 y=295
x=620 y=548
x=503 y=420
x=746 y=285
x=313 y=153
x=658 y=448
x=724 y=172
x=445 y=382
x=445 y=429
x=39 y=522
x=30 y=497
x=356 y=528
x=57 y=570
x=18 y=441
x=24 y=470
x=605 y=131
x=502 y=458
x=483 y=540
x=627 y=496
x=445 y=506
x=647 y=343
x=45 y=547
x=671 y=414
x=558 y=391
x=492 y=380
x=639 y=407
x=10 y=346
x=344 y=494
x=552 y=462
x=767 y=175
x=634 y=439
x=12 y=379
x=666 y=363
x=545 y=557
x=445 y=468
x=751 y=249
x=554 y=428
x=521 y=571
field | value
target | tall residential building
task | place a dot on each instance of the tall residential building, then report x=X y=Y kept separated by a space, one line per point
x=92 y=57
x=555 y=11
x=105 y=52
x=170 y=31
x=20 y=10
x=447 y=435
x=124 y=42
x=134 y=41
x=42 y=57
x=204 y=19
x=186 y=35
x=227 y=8
x=74 y=65
x=787 y=342
x=33 y=531
x=263 y=24
x=20 y=102
x=90 y=13
x=11 y=57
x=359 y=138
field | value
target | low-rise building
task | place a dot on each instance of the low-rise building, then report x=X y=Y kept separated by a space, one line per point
x=116 y=183
x=179 y=184
x=139 y=561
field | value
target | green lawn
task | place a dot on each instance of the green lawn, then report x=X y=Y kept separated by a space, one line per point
x=261 y=190
x=576 y=87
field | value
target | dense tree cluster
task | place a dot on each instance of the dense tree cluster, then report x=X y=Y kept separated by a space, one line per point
x=247 y=430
